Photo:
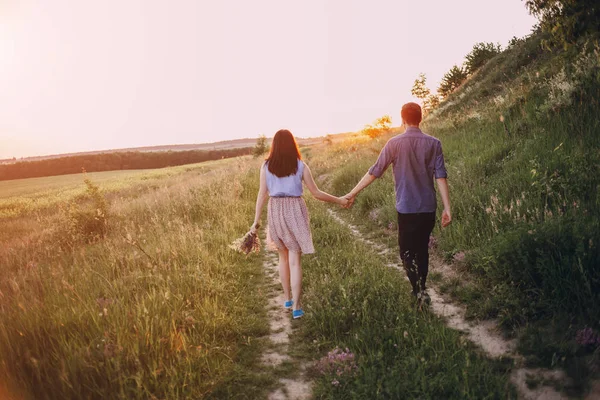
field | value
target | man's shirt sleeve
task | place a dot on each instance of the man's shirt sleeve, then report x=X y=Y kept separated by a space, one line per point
x=383 y=161
x=440 y=167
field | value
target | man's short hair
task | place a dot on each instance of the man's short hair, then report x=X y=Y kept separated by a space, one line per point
x=411 y=113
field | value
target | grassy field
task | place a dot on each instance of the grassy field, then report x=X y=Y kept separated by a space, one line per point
x=43 y=186
x=25 y=196
x=157 y=308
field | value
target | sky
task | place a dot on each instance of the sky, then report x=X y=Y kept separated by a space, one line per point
x=81 y=75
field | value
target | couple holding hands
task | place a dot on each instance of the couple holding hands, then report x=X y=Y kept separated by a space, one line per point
x=417 y=160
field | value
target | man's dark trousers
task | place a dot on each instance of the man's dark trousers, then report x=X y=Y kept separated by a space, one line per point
x=413 y=240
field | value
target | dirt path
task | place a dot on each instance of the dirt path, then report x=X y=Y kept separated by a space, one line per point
x=484 y=334
x=296 y=386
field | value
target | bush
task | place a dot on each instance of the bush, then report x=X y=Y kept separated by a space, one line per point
x=380 y=127
x=479 y=55
x=566 y=20
x=451 y=80
x=87 y=220
x=261 y=147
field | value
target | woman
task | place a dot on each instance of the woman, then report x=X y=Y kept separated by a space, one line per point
x=288 y=229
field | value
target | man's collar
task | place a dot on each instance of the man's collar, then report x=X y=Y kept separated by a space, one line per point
x=412 y=129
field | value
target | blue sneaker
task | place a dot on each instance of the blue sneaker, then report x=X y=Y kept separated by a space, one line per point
x=288 y=304
x=297 y=314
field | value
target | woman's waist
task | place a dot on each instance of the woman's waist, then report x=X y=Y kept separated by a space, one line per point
x=285 y=196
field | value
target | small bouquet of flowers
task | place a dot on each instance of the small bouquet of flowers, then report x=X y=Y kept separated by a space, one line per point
x=249 y=243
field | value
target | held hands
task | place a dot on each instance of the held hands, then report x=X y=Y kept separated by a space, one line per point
x=349 y=201
x=343 y=202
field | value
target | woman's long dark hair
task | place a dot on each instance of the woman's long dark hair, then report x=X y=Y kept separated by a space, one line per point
x=284 y=155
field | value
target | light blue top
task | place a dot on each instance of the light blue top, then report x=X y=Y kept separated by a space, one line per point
x=288 y=186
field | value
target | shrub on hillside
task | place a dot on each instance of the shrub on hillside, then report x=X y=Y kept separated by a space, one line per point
x=566 y=20
x=420 y=89
x=422 y=92
x=451 y=80
x=479 y=55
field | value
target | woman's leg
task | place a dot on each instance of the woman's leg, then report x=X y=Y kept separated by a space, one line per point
x=284 y=273
x=296 y=275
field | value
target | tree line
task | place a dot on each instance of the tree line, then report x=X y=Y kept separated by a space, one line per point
x=113 y=161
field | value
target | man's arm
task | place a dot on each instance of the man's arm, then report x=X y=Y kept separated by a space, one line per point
x=445 y=193
x=383 y=161
x=364 y=182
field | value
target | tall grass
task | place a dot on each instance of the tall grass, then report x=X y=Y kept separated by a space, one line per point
x=354 y=301
x=524 y=175
x=159 y=308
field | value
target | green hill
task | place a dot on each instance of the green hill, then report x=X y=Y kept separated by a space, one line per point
x=522 y=146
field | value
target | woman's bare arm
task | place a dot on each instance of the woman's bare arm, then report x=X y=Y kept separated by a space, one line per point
x=318 y=194
x=261 y=199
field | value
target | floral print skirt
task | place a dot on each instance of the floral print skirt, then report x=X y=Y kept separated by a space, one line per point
x=289 y=225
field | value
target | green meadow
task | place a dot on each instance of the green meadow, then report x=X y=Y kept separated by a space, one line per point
x=158 y=306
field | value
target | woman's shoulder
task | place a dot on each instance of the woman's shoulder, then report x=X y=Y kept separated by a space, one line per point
x=301 y=165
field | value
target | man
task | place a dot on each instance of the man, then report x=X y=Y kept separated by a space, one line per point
x=417 y=158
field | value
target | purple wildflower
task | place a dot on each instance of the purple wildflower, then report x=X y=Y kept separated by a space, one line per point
x=432 y=242
x=338 y=362
x=587 y=337
x=374 y=214
x=460 y=256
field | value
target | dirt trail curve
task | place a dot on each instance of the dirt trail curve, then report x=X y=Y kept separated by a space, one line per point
x=296 y=387
x=484 y=334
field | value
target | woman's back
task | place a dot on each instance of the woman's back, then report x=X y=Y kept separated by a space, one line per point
x=287 y=186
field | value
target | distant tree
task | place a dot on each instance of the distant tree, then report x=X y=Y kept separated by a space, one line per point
x=422 y=92
x=113 y=161
x=420 y=89
x=384 y=123
x=566 y=20
x=431 y=103
x=261 y=146
x=451 y=80
x=514 y=41
x=328 y=139
x=480 y=55
x=380 y=126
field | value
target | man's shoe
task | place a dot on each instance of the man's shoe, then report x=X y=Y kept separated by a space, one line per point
x=423 y=298
x=297 y=314
x=288 y=304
